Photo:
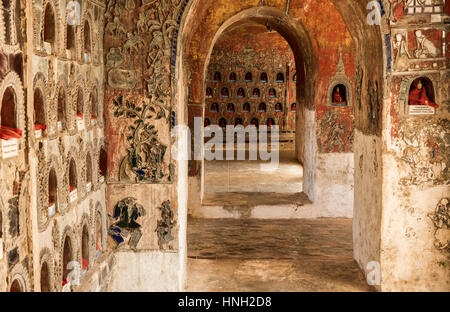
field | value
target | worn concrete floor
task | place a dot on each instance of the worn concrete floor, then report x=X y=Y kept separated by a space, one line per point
x=247 y=254
x=254 y=175
x=272 y=255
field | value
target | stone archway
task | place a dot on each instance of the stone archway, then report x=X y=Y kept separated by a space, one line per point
x=368 y=92
x=294 y=32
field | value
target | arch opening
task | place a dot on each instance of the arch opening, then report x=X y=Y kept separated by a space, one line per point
x=80 y=104
x=98 y=234
x=49 y=27
x=87 y=41
x=94 y=105
x=45 y=278
x=67 y=258
x=52 y=193
x=9 y=109
x=39 y=113
x=61 y=117
x=88 y=172
x=85 y=248
x=16 y=286
x=73 y=180
x=103 y=161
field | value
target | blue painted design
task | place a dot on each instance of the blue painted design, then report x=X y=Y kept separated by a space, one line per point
x=388 y=51
x=173 y=61
x=382 y=8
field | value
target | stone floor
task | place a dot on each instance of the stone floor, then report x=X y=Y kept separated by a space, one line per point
x=245 y=254
x=246 y=176
x=272 y=255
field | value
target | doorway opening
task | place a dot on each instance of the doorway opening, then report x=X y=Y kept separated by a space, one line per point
x=252 y=50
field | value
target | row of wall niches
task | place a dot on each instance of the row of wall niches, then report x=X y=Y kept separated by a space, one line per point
x=240 y=93
x=248 y=77
x=246 y=107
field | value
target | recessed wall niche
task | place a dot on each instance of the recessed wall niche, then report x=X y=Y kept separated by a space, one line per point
x=88 y=173
x=420 y=99
x=339 y=87
x=85 y=248
x=49 y=29
x=52 y=193
x=61 y=114
x=8 y=117
x=40 y=123
x=45 y=278
x=67 y=257
x=98 y=234
x=103 y=160
x=16 y=286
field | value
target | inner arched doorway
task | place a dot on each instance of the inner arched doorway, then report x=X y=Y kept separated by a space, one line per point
x=299 y=30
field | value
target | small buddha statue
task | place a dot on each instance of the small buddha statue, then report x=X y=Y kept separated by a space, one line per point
x=418 y=96
x=337 y=96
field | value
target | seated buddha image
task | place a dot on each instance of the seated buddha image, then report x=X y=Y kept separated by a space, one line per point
x=270 y=122
x=238 y=122
x=232 y=77
x=280 y=77
x=224 y=92
x=263 y=77
x=217 y=77
x=418 y=95
x=262 y=107
x=214 y=107
x=278 y=107
x=254 y=122
x=230 y=107
x=293 y=107
x=339 y=96
x=248 y=77
x=272 y=93
x=246 y=107
x=240 y=93
x=209 y=92
x=256 y=92
x=222 y=122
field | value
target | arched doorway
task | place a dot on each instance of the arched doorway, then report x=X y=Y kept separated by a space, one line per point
x=255 y=50
x=304 y=57
x=315 y=184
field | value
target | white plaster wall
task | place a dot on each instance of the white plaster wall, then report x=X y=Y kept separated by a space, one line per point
x=367 y=198
x=409 y=260
x=334 y=185
x=150 y=271
x=310 y=152
x=194 y=196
